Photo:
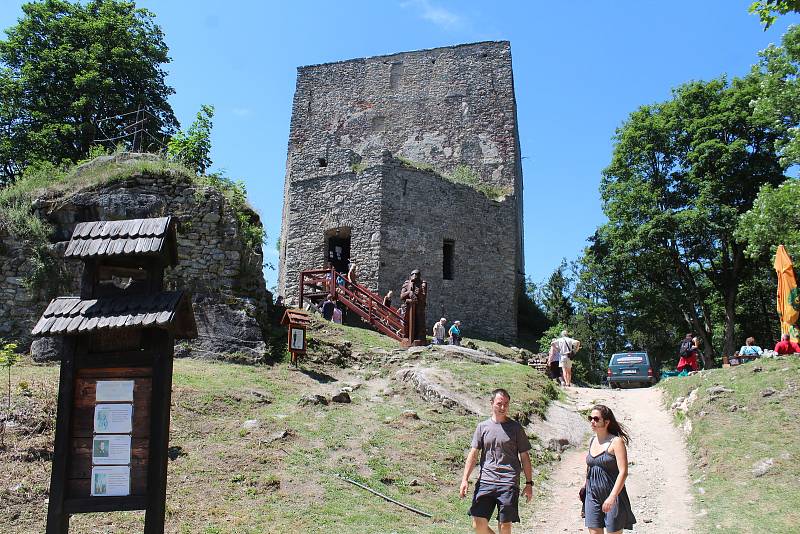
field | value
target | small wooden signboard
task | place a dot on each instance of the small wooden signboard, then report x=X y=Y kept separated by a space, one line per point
x=297 y=321
x=112 y=425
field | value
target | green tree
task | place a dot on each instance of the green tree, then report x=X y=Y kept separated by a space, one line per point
x=65 y=66
x=193 y=147
x=531 y=319
x=681 y=174
x=772 y=221
x=768 y=10
x=778 y=103
x=555 y=297
x=8 y=358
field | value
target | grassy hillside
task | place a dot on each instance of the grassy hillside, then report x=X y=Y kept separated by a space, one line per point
x=279 y=473
x=744 y=443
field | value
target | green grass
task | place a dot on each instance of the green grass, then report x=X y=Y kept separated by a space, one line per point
x=725 y=445
x=462 y=174
x=228 y=479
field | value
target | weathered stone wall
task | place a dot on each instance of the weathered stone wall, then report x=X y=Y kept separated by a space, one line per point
x=483 y=292
x=319 y=204
x=443 y=108
x=223 y=274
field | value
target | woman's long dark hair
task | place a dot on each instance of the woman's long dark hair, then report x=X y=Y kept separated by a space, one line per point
x=614 y=427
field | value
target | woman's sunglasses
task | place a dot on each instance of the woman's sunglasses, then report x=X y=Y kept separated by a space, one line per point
x=594 y=418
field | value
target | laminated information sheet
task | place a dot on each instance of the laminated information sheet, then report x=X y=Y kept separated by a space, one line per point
x=111 y=481
x=114 y=390
x=113 y=418
x=110 y=449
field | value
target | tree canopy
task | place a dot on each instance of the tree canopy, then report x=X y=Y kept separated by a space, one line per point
x=681 y=174
x=66 y=66
x=769 y=10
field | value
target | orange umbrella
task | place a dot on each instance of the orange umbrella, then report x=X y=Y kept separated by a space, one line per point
x=788 y=294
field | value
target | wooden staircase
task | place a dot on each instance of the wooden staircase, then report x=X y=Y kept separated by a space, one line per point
x=316 y=284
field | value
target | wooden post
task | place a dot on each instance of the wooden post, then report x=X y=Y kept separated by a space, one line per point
x=159 y=433
x=57 y=519
x=302 y=290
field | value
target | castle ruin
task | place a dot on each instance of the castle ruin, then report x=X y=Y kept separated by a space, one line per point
x=406 y=161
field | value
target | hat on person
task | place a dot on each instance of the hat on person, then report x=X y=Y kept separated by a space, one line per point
x=457 y=322
x=443 y=320
x=564 y=333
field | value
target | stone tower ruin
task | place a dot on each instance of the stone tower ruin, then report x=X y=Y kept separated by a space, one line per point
x=406 y=161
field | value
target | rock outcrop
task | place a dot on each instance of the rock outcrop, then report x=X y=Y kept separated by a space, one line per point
x=218 y=263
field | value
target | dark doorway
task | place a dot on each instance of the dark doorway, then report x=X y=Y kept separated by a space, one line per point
x=338 y=253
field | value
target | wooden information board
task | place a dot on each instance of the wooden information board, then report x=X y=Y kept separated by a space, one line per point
x=112 y=425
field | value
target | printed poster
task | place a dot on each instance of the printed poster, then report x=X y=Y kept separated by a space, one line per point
x=109 y=449
x=114 y=390
x=113 y=418
x=298 y=339
x=111 y=481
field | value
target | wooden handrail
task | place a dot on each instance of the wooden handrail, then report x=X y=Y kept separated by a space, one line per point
x=356 y=297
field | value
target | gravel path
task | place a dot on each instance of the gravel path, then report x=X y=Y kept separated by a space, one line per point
x=658 y=482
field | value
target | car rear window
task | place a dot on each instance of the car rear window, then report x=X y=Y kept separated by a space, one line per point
x=627 y=359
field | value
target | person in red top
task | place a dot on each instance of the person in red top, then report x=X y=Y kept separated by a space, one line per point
x=786 y=346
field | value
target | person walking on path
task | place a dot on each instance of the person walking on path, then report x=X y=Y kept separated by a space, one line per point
x=337 y=314
x=606 y=501
x=553 y=362
x=786 y=345
x=438 y=331
x=455 y=333
x=567 y=347
x=503 y=448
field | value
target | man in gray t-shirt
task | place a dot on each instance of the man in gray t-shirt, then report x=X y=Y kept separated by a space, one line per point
x=503 y=448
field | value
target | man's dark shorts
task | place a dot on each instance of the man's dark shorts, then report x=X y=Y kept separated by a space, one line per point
x=487 y=496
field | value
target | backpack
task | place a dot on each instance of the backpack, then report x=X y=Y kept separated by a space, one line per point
x=686 y=348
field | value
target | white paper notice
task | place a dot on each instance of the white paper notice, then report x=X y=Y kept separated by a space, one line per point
x=113 y=418
x=110 y=449
x=111 y=481
x=114 y=390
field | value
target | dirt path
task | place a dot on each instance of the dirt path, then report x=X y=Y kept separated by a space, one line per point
x=658 y=482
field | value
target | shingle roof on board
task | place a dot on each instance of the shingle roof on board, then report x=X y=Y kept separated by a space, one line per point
x=71 y=315
x=118 y=238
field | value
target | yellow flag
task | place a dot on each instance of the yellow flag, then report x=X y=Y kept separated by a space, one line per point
x=788 y=294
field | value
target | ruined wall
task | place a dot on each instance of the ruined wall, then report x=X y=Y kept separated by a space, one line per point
x=223 y=274
x=482 y=293
x=323 y=203
x=445 y=109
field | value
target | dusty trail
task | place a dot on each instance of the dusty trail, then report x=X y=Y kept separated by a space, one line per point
x=658 y=482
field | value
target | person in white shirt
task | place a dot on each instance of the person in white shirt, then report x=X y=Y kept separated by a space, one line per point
x=567 y=347
x=439 y=331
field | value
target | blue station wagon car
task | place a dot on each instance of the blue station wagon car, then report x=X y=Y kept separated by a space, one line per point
x=631 y=368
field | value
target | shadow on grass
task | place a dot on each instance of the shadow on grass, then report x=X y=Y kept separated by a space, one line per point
x=322 y=378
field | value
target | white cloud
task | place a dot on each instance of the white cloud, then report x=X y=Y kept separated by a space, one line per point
x=242 y=112
x=437 y=15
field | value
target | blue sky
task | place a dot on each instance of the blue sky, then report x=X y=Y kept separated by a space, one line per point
x=579 y=69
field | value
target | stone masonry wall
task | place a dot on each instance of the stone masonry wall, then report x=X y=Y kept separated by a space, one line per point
x=224 y=275
x=482 y=293
x=319 y=204
x=442 y=108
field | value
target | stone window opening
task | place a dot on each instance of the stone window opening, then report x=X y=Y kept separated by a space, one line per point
x=405 y=187
x=448 y=259
x=323 y=162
